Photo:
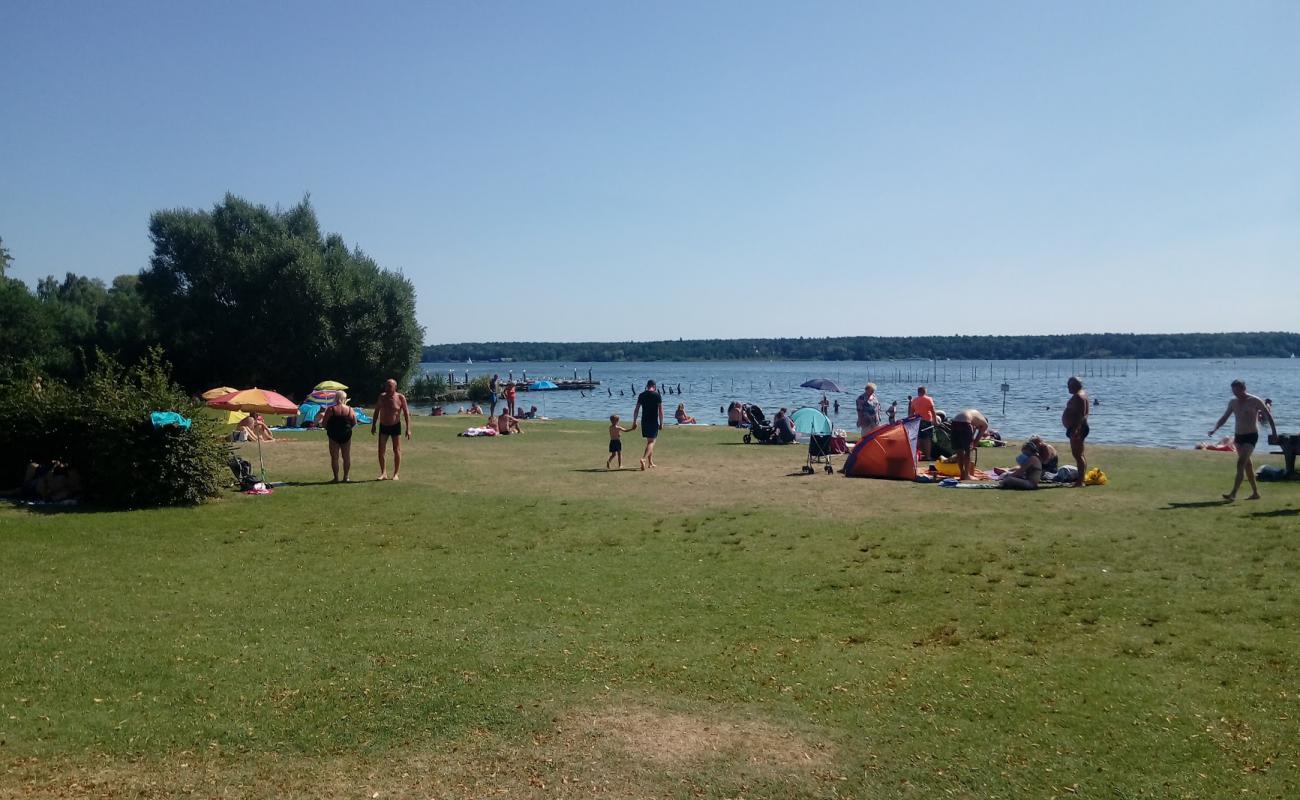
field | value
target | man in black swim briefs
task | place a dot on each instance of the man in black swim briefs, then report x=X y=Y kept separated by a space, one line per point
x=1075 y=420
x=391 y=411
x=967 y=428
x=1248 y=410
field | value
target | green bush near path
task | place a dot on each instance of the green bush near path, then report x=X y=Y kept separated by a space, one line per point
x=512 y=618
x=102 y=430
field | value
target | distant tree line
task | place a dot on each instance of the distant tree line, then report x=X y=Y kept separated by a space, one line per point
x=241 y=296
x=880 y=348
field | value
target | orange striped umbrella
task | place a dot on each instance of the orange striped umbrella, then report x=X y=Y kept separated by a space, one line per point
x=256 y=401
x=220 y=391
x=259 y=401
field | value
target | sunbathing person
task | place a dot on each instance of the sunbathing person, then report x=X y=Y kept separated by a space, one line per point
x=252 y=428
x=1028 y=472
x=682 y=417
x=1046 y=454
x=507 y=424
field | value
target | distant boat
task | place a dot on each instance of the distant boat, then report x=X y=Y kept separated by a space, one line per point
x=469 y=361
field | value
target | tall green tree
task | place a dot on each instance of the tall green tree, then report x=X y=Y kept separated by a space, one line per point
x=243 y=295
x=5 y=258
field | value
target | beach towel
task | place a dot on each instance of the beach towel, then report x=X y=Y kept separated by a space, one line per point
x=471 y=432
x=168 y=419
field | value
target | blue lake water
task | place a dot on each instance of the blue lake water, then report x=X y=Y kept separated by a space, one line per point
x=1160 y=403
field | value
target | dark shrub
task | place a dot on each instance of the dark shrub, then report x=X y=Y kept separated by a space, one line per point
x=103 y=430
x=479 y=390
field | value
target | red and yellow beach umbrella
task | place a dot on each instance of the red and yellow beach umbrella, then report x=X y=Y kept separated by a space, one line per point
x=256 y=401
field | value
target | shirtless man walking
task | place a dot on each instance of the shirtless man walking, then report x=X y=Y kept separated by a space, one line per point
x=391 y=411
x=1248 y=409
x=1075 y=420
x=968 y=427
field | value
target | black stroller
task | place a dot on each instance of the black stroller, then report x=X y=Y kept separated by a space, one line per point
x=760 y=430
x=820 y=449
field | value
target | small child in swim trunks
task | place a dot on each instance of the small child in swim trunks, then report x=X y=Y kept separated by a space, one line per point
x=616 y=441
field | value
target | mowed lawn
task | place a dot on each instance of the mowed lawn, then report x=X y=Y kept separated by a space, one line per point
x=512 y=620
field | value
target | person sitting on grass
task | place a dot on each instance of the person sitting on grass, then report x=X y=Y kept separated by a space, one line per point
x=476 y=409
x=507 y=424
x=1046 y=453
x=1028 y=471
x=785 y=433
x=253 y=429
x=682 y=417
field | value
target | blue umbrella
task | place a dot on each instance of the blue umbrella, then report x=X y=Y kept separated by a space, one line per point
x=811 y=421
x=822 y=384
x=542 y=385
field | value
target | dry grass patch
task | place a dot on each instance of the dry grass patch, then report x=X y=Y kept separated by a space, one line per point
x=623 y=752
x=667 y=738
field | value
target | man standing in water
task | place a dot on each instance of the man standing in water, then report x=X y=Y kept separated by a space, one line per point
x=391 y=411
x=652 y=403
x=1249 y=410
x=1075 y=420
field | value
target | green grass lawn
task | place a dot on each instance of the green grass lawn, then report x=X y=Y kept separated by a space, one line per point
x=512 y=620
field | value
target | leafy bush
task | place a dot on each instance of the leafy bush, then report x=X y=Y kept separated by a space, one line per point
x=479 y=389
x=102 y=429
x=428 y=387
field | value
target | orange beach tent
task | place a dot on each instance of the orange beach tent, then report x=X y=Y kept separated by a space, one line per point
x=888 y=452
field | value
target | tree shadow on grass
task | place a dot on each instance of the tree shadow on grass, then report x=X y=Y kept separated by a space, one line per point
x=1198 y=504
x=1278 y=512
x=55 y=508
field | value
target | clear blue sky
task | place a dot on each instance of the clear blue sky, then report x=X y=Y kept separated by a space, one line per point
x=618 y=170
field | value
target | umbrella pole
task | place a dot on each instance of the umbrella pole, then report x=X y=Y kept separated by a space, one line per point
x=260 y=461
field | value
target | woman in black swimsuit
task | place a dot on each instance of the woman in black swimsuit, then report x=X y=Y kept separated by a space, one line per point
x=339 y=420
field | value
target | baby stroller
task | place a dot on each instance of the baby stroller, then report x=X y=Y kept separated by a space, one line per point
x=760 y=430
x=821 y=439
x=819 y=452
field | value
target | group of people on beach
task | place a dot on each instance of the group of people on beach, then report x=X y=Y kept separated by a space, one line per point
x=392 y=423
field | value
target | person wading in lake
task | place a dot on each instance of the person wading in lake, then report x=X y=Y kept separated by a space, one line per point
x=391 y=411
x=1075 y=420
x=652 y=404
x=1249 y=410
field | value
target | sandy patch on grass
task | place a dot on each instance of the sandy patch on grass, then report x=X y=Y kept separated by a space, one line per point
x=667 y=738
x=623 y=752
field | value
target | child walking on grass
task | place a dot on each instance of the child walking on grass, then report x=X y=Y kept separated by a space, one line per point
x=616 y=441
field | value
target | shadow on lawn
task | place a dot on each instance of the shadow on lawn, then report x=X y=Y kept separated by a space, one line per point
x=602 y=470
x=56 y=508
x=1198 y=504
x=1279 y=512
